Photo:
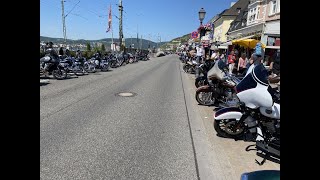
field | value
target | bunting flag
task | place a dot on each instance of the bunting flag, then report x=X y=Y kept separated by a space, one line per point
x=212 y=31
x=109 y=20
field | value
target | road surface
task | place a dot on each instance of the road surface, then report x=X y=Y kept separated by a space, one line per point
x=88 y=132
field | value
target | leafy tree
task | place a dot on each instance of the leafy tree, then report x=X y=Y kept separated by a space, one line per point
x=103 y=48
x=88 y=47
x=96 y=49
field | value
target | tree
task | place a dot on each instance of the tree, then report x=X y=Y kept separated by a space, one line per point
x=96 y=49
x=103 y=48
x=88 y=47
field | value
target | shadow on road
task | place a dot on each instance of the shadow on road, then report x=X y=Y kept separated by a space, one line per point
x=44 y=83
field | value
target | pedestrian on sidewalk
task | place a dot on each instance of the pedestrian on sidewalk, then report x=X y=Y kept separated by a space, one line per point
x=242 y=63
x=231 y=61
x=200 y=53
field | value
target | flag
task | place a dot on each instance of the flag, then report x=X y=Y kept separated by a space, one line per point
x=109 y=20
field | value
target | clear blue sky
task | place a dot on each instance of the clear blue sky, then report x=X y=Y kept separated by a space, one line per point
x=88 y=20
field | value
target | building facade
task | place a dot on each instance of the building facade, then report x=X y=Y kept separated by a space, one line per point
x=224 y=20
x=250 y=22
x=271 y=36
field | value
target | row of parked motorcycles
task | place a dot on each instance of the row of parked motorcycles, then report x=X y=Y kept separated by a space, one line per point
x=248 y=106
x=60 y=66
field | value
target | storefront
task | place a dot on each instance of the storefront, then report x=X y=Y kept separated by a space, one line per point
x=271 y=38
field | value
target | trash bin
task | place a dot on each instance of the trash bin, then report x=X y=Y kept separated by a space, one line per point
x=261 y=175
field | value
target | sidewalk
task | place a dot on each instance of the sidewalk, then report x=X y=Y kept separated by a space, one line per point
x=229 y=159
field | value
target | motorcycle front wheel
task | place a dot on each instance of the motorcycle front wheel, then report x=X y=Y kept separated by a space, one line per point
x=79 y=71
x=104 y=68
x=186 y=68
x=205 y=98
x=59 y=74
x=201 y=81
x=224 y=128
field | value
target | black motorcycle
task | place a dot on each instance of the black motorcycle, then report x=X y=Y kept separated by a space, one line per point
x=204 y=68
x=50 y=65
x=72 y=65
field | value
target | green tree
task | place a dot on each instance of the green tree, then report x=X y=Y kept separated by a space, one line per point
x=103 y=48
x=96 y=49
x=88 y=47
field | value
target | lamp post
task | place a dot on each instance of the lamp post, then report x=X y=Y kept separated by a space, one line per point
x=202 y=13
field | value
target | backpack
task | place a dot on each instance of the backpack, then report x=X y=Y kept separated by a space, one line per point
x=259 y=50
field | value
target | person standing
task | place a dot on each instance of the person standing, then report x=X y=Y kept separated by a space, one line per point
x=213 y=55
x=231 y=61
x=242 y=63
x=275 y=65
x=61 y=51
x=200 y=53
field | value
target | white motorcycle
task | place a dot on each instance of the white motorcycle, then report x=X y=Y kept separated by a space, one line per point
x=257 y=114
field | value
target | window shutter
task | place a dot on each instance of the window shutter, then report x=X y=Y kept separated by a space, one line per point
x=270 y=8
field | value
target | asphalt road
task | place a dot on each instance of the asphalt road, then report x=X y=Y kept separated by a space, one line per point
x=88 y=132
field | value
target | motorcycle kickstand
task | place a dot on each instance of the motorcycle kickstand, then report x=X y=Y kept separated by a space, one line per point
x=263 y=161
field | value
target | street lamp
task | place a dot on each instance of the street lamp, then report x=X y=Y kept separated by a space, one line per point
x=202 y=13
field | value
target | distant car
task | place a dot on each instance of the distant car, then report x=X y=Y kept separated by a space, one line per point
x=160 y=53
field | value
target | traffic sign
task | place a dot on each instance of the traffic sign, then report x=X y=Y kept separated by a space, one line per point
x=194 y=34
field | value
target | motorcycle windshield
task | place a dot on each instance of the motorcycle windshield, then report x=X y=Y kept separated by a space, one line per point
x=216 y=71
x=258 y=74
x=253 y=88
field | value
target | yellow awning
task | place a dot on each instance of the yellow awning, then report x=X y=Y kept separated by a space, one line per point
x=248 y=43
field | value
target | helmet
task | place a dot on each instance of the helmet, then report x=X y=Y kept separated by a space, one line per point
x=50 y=44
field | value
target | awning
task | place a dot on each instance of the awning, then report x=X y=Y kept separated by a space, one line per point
x=272 y=47
x=247 y=37
x=247 y=43
x=228 y=43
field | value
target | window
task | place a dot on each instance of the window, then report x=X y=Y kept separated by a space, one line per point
x=238 y=10
x=258 y=12
x=274 y=7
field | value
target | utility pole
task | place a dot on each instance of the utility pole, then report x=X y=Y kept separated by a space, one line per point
x=120 y=25
x=149 y=41
x=64 y=23
x=141 y=42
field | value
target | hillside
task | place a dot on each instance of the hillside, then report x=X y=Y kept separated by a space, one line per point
x=183 y=38
x=178 y=40
x=106 y=41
